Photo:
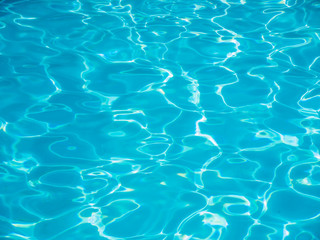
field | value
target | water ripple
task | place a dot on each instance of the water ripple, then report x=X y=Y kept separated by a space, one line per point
x=166 y=119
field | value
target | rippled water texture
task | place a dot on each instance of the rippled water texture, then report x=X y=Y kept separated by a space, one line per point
x=159 y=119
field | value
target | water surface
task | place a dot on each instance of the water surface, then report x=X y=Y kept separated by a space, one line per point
x=159 y=119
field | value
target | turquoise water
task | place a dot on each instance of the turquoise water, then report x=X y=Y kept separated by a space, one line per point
x=159 y=119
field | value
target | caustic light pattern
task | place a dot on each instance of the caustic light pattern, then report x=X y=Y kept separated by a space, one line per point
x=159 y=119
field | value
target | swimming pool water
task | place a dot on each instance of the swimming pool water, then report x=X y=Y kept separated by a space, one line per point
x=160 y=119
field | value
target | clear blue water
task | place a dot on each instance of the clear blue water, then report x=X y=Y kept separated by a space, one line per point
x=159 y=119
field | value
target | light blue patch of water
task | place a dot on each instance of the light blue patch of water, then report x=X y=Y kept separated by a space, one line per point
x=159 y=119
